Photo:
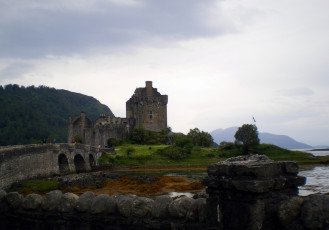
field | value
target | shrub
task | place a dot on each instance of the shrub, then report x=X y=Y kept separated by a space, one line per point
x=210 y=155
x=112 y=142
x=173 y=152
x=130 y=151
x=106 y=158
x=226 y=146
x=77 y=138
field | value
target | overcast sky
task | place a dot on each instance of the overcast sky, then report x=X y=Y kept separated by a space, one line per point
x=221 y=62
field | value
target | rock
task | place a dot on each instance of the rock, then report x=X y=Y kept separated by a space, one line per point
x=202 y=209
x=258 y=186
x=198 y=210
x=99 y=204
x=289 y=211
x=291 y=167
x=179 y=207
x=14 y=199
x=111 y=204
x=192 y=213
x=315 y=212
x=32 y=201
x=2 y=195
x=67 y=202
x=84 y=202
x=51 y=200
x=141 y=206
x=124 y=204
x=160 y=206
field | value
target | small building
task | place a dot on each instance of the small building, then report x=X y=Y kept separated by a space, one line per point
x=146 y=107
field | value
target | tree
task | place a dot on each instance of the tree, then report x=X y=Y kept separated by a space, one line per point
x=200 y=138
x=247 y=137
x=77 y=138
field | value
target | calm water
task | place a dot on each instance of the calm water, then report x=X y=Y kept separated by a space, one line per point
x=315 y=152
x=317 y=180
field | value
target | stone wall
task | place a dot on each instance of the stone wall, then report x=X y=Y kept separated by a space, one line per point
x=24 y=162
x=254 y=192
x=148 y=108
x=69 y=211
x=247 y=193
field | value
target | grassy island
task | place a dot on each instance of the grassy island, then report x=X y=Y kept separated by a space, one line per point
x=129 y=155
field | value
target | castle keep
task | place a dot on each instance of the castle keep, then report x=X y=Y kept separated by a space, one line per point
x=146 y=107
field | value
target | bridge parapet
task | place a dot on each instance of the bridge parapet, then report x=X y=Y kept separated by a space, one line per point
x=31 y=161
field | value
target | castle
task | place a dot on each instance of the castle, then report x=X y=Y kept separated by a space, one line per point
x=146 y=107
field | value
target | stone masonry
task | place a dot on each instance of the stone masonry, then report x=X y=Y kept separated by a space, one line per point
x=245 y=192
x=146 y=107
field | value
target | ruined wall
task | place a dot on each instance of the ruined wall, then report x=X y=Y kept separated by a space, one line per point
x=97 y=132
x=148 y=108
x=79 y=125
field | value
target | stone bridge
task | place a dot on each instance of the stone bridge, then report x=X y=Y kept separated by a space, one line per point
x=31 y=161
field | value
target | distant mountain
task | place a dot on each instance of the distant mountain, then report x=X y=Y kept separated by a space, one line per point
x=321 y=147
x=29 y=114
x=282 y=141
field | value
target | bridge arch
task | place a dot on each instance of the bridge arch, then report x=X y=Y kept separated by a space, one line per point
x=79 y=163
x=63 y=163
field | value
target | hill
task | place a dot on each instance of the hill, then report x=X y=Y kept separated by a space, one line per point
x=29 y=114
x=282 y=141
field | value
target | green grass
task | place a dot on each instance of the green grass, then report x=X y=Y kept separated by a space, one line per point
x=279 y=154
x=148 y=156
x=35 y=186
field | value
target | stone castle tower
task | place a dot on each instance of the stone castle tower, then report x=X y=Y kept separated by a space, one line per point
x=147 y=108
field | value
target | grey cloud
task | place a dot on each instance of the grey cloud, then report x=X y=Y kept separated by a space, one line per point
x=33 y=32
x=14 y=71
x=296 y=92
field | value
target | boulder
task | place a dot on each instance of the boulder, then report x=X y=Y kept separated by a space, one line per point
x=198 y=210
x=67 y=202
x=289 y=210
x=111 y=205
x=51 y=200
x=179 y=207
x=315 y=212
x=2 y=195
x=99 y=204
x=141 y=206
x=124 y=204
x=160 y=206
x=32 y=201
x=84 y=202
x=14 y=199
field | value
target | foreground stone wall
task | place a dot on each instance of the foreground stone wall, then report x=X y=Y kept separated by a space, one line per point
x=247 y=193
x=254 y=192
x=69 y=211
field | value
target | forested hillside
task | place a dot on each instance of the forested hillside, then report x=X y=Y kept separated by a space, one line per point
x=30 y=114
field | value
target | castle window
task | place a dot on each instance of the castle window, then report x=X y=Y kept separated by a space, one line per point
x=151 y=115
